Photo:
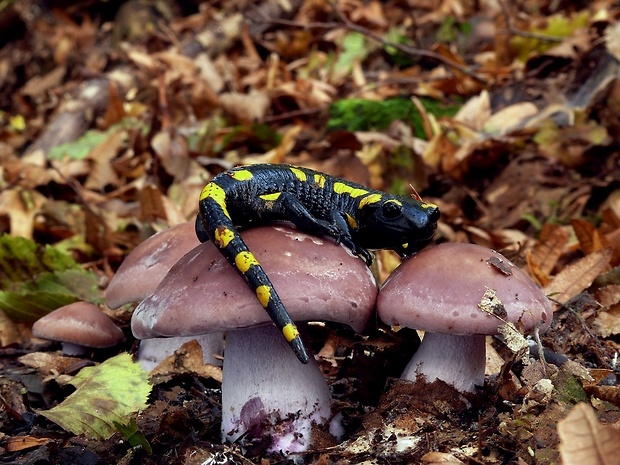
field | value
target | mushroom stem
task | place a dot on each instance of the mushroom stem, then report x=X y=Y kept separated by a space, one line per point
x=266 y=391
x=457 y=360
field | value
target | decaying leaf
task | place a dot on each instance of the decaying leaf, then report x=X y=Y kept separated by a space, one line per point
x=585 y=441
x=107 y=393
x=36 y=280
x=578 y=276
x=514 y=340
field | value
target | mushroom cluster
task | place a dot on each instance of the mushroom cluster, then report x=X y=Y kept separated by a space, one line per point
x=456 y=293
x=266 y=392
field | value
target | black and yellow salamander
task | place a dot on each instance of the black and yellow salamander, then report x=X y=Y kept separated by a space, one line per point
x=356 y=216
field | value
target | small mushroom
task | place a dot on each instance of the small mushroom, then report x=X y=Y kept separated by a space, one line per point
x=78 y=326
x=458 y=294
x=138 y=276
x=266 y=392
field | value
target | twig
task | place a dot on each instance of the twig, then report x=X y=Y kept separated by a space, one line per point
x=406 y=49
x=510 y=30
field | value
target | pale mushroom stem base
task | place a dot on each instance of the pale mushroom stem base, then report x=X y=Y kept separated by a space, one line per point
x=153 y=351
x=457 y=360
x=266 y=391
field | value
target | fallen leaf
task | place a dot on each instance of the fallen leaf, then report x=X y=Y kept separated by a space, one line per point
x=18 y=443
x=105 y=394
x=585 y=441
x=186 y=359
x=550 y=246
x=590 y=238
x=576 y=277
x=608 y=323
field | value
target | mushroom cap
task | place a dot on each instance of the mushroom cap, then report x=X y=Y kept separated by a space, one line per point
x=147 y=264
x=315 y=278
x=80 y=323
x=439 y=290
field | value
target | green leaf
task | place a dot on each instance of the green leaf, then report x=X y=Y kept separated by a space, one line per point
x=78 y=149
x=354 y=49
x=133 y=436
x=106 y=394
x=36 y=279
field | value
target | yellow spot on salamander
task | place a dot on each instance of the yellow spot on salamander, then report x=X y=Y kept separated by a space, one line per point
x=352 y=222
x=242 y=175
x=319 y=180
x=406 y=245
x=290 y=332
x=223 y=236
x=299 y=174
x=270 y=197
x=216 y=193
x=372 y=198
x=342 y=188
x=397 y=202
x=244 y=260
x=264 y=294
x=428 y=205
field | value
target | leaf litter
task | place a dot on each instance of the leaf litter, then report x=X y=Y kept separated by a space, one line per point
x=505 y=115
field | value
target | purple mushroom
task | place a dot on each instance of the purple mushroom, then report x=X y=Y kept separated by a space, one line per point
x=266 y=392
x=78 y=326
x=458 y=294
x=138 y=276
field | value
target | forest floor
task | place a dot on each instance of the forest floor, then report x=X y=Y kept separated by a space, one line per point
x=114 y=115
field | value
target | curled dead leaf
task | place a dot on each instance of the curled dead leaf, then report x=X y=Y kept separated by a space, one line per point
x=578 y=276
x=585 y=441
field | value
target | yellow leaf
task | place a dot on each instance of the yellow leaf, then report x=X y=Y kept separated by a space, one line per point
x=105 y=394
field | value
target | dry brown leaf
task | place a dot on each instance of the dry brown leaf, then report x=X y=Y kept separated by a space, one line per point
x=609 y=295
x=585 y=441
x=550 y=246
x=476 y=111
x=445 y=458
x=536 y=270
x=18 y=443
x=48 y=362
x=608 y=323
x=578 y=276
x=609 y=394
x=510 y=118
x=246 y=108
x=102 y=173
x=186 y=359
x=21 y=206
x=590 y=239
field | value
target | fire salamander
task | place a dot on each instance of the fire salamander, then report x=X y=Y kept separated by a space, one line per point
x=356 y=216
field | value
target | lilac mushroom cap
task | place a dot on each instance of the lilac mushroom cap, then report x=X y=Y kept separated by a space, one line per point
x=78 y=326
x=265 y=390
x=147 y=264
x=138 y=276
x=440 y=291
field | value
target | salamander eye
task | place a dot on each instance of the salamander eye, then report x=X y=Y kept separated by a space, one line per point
x=391 y=209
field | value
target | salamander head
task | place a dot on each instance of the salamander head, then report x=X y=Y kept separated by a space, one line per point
x=403 y=224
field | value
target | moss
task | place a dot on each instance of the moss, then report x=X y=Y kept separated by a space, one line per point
x=368 y=115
